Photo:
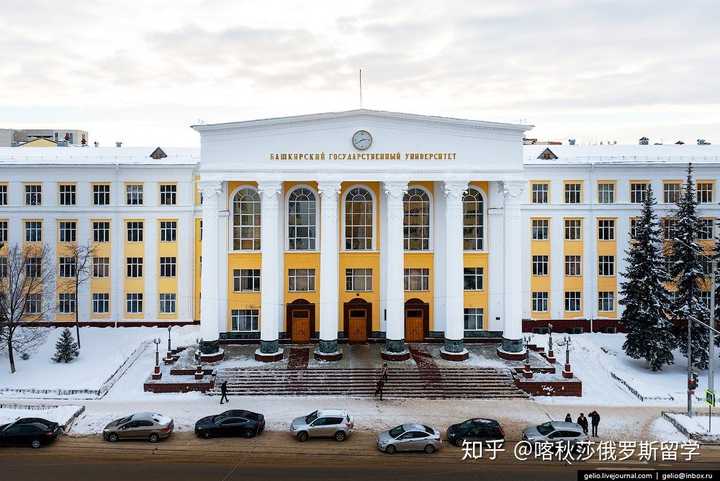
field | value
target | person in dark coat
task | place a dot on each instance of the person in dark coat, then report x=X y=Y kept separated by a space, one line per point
x=379 y=388
x=583 y=422
x=595 y=418
x=384 y=373
x=223 y=392
x=568 y=418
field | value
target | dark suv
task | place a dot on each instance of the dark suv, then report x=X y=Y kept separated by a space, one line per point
x=477 y=429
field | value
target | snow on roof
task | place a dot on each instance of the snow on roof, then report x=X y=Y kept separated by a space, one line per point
x=97 y=156
x=623 y=154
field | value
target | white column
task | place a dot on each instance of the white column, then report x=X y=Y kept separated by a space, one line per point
x=590 y=269
x=186 y=228
x=271 y=275
x=394 y=284
x=512 y=328
x=329 y=288
x=150 y=270
x=496 y=256
x=84 y=302
x=210 y=291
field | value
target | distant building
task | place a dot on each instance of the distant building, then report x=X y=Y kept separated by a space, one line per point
x=57 y=137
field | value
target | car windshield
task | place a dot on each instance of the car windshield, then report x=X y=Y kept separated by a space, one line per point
x=429 y=430
x=397 y=431
x=124 y=420
x=545 y=428
x=311 y=417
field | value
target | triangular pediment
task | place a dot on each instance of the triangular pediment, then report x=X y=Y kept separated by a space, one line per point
x=547 y=154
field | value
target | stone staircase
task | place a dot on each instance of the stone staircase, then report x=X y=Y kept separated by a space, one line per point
x=476 y=383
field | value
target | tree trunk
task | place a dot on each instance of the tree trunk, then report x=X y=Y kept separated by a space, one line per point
x=11 y=357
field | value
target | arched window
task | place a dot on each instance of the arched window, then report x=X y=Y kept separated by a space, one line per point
x=416 y=205
x=246 y=220
x=473 y=220
x=302 y=220
x=358 y=220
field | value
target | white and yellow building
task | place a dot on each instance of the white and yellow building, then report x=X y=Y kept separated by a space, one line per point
x=352 y=226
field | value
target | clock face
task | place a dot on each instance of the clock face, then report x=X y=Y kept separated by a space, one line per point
x=362 y=140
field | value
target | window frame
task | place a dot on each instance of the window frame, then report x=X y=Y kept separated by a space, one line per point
x=134 y=299
x=165 y=264
x=477 y=314
x=483 y=217
x=568 y=195
x=612 y=191
x=420 y=274
x=101 y=195
x=568 y=227
x=314 y=245
x=539 y=228
x=353 y=278
x=474 y=273
x=170 y=228
x=101 y=233
x=254 y=278
x=236 y=211
x=100 y=299
x=609 y=229
x=64 y=196
x=426 y=242
x=163 y=195
x=33 y=197
x=298 y=274
x=606 y=265
x=540 y=265
x=134 y=198
x=570 y=298
x=540 y=298
x=573 y=265
x=373 y=218
x=536 y=194
x=253 y=315
x=635 y=191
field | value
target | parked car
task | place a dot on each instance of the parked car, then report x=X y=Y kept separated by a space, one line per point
x=150 y=426
x=328 y=423
x=236 y=422
x=33 y=432
x=476 y=430
x=409 y=437
x=555 y=432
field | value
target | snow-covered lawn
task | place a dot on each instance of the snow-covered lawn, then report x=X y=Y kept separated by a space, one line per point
x=58 y=414
x=697 y=426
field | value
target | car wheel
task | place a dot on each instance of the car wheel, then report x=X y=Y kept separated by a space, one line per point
x=429 y=449
x=340 y=436
x=390 y=449
x=35 y=443
x=206 y=434
x=248 y=434
x=154 y=438
x=112 y=437
x=458 y=442
x=302 y=436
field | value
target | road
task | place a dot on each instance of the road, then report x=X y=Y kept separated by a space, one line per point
x=277 y=456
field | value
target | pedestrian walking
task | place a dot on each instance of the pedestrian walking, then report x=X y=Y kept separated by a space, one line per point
x=595 y=418
x=379 y=388
x=583 y=422
x=223 y=392
x=568 y=418
x=384 y=374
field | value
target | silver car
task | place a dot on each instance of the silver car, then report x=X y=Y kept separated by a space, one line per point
x=327 y=423
x=149 y=426
x=555 y=432
x=410 y=437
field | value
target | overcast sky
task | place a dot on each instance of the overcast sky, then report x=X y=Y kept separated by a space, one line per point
x=143 y=71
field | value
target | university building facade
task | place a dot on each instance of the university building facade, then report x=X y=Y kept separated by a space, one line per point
x=352 y=226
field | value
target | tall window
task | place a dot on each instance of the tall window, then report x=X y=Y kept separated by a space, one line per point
x=705 y=231
x=168 y=231
x=573 y=266
x=33 y=304
x=540 y=192
x=358 y=220
x=606 y=193
x=33 y=194
x=168 y=194
x=3 y=267
x=33 y=267
x=301 y=280
x=101 y=231
x=417 y=279
x=67 y=194
x=33 y=231
x=358 y=279
x=473 y=278
x=134 y=194
x=245 y=320
x=606 y=265
x=246 y=280
x=638 y=192
x=473 y=220
x=416 y=222
x=669 y=226
x=573 y=229
x=540 y=301
x=134 y=302
x=101 y=194
x=3 y=231
x=66 y=303
x=168 y=266
x=101 y=302
x=671 y=192
x=606 y=229
x=573 y=192
x=540 y=228
x=101 y=266
x=134 y=266
x=302 y=220
x=246 y=220
x=3 y=194
x=167 y=302
x=606 y=301
x=540 y=265
x=68 y=231
x=67 y=266
x=135 y=231
x=572 y=301
x=633 y=227
x=473 y=318
x=705 y=192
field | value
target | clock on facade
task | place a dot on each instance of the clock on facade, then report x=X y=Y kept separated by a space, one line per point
x=362 y=140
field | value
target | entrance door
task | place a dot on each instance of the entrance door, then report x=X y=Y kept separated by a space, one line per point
x=357 y=325
x=300 y=326
x=414 y=325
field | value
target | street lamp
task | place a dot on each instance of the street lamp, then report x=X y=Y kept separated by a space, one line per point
x=527 y=372
x=170 y=326
x=157 y=374
x=551 y=354
x=567 y=370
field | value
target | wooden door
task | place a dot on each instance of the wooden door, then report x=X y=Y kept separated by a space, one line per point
x=414 y=325
x=357 y=325
x=300 y=326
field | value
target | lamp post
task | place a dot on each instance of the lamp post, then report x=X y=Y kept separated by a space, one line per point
x=157 y=374
x=551 y=354
x=169 y=345
x=567 y=370
x=198 y=368
x=527 y=372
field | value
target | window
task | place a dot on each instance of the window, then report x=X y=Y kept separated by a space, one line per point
x=245 y=280
x=473 y=278
x=573 y=229
x=358 y=279
x=705 y=192
x=101 y=231
x=573 y=192
x=3 y=194
x=606 y=265
x=669 y=226
x=473 y=318
x=416 y=221
x=606 y=229
x=245 y=320
x=134 y=267
x=167 y=303
x=473 y=220
x=417 y=279
x=606 y=301
x=134 y=194
x=633 y=228
x=3 y=267
x=705 y=230
x=134 y=302
x=68 y=230
x=671 y=192
x=638 y=192
x=33 y=304
x=33 y=231
x=168 y=194
x=540 y=193
x=67 y=266
x=167 y=266
x=573 y=266
x=33 y=194
x=707 y=264
x=135 y=231
x=101 y=302
x=246 y=220
x=101 y=194
x=540 y=301
x=606 y=193
x=168 y=231
x=572 y=301
x=3 y=231
x=540 y=229
x=66 y=303
x=539 y=265
x=358 y=219
x=302 y=220
x=101 y=266
x=67 y=194
x=301 y=280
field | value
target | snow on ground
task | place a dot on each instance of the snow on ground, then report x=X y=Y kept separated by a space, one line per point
x=58 y=414
x=663 y=430
x=698 y=423
x=103 y=351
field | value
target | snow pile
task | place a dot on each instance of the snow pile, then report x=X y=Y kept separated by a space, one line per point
x=58 y=414
x=697 y=426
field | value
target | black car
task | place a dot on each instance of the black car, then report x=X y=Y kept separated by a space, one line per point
x=477 y=429
x=33 y=432
x=236 y=422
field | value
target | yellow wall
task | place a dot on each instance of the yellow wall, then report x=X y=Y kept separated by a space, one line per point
x=104 y=284
x=198 y=269
x=167 y=285
x=541 y=283
x=607 y=283
x=134 y=284
x=64 y=284
x=574 y=283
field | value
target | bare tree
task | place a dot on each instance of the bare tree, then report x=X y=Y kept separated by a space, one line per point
x=81 y=258
x=26 y=295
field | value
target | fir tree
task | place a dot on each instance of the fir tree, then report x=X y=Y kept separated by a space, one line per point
x=687 y=273
x=66 y=348
x=643 y=293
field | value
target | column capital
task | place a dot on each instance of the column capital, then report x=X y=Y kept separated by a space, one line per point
x=454 y=190
x=269 y=189
x=395 y=189
x=210 y=188
x=512 y=189
x=329 y=188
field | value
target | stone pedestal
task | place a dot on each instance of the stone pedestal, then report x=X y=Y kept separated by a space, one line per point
x=551 y=357
x=567 y=371
x=269 y=351
x=327 y=351
x=157 y=374
x=454 y=350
